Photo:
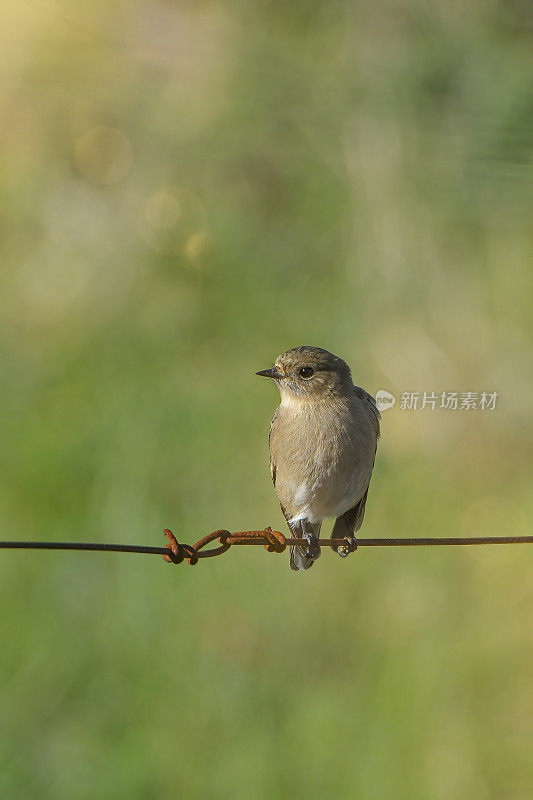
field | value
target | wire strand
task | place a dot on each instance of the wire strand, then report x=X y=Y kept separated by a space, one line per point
x=115 y=548
x=238 y=539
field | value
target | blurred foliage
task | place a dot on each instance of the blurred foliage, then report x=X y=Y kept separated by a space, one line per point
x=189 y=189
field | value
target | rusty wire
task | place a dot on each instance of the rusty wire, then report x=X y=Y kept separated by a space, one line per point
x=274 y=541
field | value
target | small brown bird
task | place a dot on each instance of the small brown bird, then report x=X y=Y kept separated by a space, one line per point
x=323 y=440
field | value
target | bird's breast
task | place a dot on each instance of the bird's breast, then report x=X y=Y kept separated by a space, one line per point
x=323 y=460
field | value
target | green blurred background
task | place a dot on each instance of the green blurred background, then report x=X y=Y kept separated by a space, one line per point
x=187 y=190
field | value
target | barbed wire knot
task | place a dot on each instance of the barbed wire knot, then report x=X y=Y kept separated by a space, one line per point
x=178 y=552
x=276 y=542
x=273 y=541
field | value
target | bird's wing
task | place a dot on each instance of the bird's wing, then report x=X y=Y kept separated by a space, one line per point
x=273 y=470
x=351 y=520
x=370 y=404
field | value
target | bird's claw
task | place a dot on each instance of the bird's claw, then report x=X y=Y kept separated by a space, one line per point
x=313 y=548
x=350 y=546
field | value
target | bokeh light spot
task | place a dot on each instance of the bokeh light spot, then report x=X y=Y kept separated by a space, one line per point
x=196 y=246
x=172 y=220
x=103 y=155
x=162 y=209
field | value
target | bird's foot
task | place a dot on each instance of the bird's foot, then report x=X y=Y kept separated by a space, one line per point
x=350 y=547
x=313 y=548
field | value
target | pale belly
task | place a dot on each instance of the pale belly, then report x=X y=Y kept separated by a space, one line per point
x=330 y=491
x=318 y=503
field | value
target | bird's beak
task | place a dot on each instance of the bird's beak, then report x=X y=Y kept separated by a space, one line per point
x=270 y=373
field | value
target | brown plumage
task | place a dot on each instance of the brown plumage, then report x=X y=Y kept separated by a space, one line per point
x=323 y=440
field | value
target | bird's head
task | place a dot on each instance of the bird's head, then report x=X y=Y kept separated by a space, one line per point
x=307 y=373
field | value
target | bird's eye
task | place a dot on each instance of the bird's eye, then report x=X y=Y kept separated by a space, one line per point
x=307 y=372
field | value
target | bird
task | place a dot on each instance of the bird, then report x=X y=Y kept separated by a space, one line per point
x=322 y=441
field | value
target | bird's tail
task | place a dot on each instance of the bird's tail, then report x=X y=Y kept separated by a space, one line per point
x=298 y=558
